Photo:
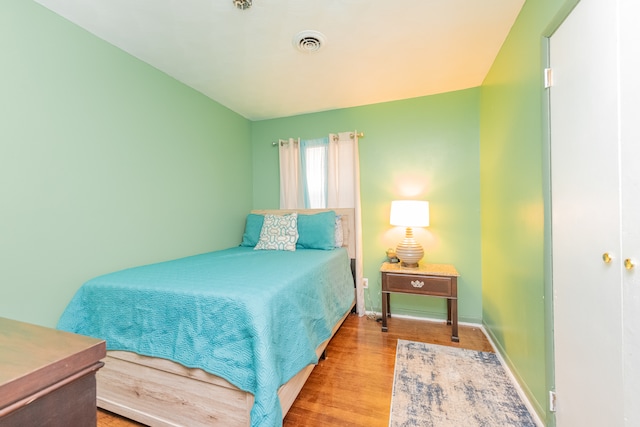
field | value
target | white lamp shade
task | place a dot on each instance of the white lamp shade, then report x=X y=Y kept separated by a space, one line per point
x=410 y=213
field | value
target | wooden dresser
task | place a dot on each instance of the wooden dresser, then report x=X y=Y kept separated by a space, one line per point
x=47 y=377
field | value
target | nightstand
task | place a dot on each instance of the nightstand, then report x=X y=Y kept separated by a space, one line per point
x=434 y=280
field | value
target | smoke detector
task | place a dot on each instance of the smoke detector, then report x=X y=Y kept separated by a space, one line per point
x=309 y=41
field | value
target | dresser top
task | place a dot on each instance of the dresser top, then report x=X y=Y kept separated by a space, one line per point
x=33 y=357
x=422 y=269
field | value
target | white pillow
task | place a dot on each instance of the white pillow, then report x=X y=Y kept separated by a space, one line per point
x=279 y=233
x=339 y=234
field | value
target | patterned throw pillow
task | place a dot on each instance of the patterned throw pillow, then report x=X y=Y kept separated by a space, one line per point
x=279 y=233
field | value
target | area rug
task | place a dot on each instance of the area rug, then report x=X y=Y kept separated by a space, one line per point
x=443 y=386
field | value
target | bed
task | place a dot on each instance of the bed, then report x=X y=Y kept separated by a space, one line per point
x=233 y=337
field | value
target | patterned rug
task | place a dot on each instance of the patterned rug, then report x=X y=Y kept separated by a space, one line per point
x=443 y=386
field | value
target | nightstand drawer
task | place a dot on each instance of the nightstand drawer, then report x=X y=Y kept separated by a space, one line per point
x=417 y=284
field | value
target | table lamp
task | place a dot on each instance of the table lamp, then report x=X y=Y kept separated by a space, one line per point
x=409 y=213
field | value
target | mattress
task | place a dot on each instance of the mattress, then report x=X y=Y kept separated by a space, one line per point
x=251 y=317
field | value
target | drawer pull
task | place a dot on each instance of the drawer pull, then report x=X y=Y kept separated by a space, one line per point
x=417 y=283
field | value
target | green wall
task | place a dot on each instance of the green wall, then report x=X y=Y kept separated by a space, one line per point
x=105 y=163
x=426 y=148
x=516 y=289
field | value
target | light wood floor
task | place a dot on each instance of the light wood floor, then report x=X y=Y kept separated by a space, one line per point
x=352 y=386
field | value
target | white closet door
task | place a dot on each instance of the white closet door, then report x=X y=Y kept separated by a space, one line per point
x=630 y=160
x=586 y=218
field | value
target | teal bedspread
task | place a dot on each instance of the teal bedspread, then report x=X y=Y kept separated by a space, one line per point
x=254 y=318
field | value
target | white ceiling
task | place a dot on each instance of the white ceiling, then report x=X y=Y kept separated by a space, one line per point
x=375 y=50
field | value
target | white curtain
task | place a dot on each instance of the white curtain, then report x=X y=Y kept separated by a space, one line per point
x=291 y=195
x=344 y=192
x=342 y=185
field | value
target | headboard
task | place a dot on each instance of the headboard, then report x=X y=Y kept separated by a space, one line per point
x=348 y=223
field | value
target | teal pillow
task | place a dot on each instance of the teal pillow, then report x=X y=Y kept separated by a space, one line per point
x=252 y=230
x=317 y=231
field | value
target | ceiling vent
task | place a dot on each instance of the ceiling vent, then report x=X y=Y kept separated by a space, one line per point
x=309 y=41
x=242 y=4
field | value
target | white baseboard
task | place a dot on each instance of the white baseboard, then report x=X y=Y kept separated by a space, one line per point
x=377 y=314
x=514 y=381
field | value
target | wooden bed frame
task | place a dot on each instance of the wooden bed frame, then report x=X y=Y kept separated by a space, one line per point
x=159 y=392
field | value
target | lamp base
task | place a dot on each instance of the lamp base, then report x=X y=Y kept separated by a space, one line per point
x=409 y=251
x=412 y=265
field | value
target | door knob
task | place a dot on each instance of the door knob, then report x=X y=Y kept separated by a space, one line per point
x=628 y=264
x=606 y=258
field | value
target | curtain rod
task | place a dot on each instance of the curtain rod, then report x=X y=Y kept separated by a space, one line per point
x=351 y=135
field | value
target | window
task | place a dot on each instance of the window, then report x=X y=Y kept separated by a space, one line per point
x=313 y=155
